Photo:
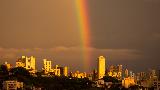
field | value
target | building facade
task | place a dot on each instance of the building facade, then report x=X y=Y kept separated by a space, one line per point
x=65 y=71
x=12 y=85
x=47 y=66
x=29 y=63
x=101 y=67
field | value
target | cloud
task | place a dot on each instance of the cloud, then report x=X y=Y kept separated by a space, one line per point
x=112 y=53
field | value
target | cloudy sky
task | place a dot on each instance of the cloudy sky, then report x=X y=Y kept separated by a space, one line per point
x=126 y=32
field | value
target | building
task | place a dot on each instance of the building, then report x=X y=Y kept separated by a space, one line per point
x=65 y=71
x=101 y=67
x=131 y=74
x=100 y=83
x=126 y=73
x=61 y=70
x=115 y=71
x=120 y=68
x=156 y=84
x=56 y=71
x=127 y=82
x=27 y=63
x=8 y=65
x=78 y=74
x=47 y=66
x=94 y=76
x=152 y=73
x=12 y=85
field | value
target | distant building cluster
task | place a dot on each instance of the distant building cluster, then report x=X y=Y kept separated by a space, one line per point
x=47 y=68
x=126 y=77
x=78 y=74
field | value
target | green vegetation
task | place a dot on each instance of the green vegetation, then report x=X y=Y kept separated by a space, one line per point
x=110 y=79
x=48 y=83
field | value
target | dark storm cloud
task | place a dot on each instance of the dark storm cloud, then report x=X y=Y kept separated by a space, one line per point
x=129 y=24
x=125 y=31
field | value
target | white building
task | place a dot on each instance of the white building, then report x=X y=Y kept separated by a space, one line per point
x=12 y=85
x=101 y=67
x=27 y=63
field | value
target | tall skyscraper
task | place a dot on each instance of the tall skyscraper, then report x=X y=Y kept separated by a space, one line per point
x=101 y=67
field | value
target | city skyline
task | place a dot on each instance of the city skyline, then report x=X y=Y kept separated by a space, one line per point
x=101 y=66
x=125 y=32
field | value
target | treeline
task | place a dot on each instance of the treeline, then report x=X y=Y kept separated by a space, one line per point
x=48 y=83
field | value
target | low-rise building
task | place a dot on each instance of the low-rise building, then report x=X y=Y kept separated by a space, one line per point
x=78 y=74
x=12 y=85
x=127 y=82
x=8 y=65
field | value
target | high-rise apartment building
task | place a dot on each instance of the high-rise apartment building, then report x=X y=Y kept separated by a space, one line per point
x=101 y=67
x=27 y=63
x=47 y=66
x=65 y=71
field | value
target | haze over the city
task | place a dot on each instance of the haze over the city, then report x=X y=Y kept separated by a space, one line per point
x=126 y=32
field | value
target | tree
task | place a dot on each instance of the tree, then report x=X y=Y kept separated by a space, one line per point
x=21 y=74
x=20 y=71
x=3 y=70
x=110 y=79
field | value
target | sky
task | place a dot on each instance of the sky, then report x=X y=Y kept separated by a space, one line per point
x=126 y=32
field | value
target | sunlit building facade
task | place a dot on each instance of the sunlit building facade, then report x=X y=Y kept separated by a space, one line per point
x=101 y=67
x=65 y=71
x=56 y=71
x=12 y=85
x=115 y=71
x=29 y=63
x=127 y=82
x=78 y=74
x=47 y=66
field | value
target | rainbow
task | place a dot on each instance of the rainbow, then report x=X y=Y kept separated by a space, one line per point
x=84 y=28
